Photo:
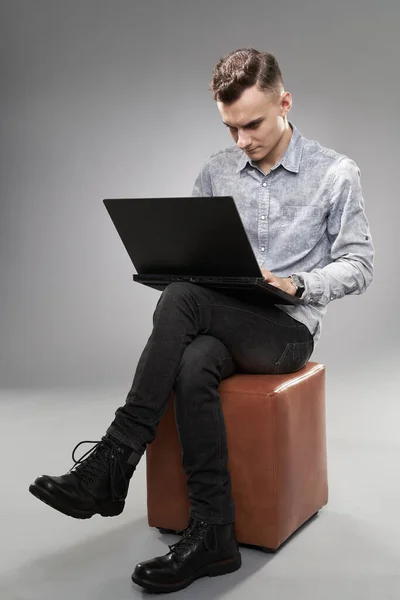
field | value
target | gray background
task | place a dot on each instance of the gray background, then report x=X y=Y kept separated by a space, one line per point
x=104 y=99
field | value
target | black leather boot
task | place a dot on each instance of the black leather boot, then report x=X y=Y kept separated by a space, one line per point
x=205 y=549
x=97 y=483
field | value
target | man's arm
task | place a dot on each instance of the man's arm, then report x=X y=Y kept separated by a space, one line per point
x=352 y=250
x=202 y=185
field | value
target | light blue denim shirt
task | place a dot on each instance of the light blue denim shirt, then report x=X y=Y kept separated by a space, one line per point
x=306 y=216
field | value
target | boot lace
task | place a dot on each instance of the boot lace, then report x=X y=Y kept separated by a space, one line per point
x=104 y=456
x=193 y=533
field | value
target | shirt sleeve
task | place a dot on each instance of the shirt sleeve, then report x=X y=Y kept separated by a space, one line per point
x=202 y=185
x=351 y=270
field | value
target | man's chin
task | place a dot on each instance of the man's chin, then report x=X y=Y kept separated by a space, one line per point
x=257 y=154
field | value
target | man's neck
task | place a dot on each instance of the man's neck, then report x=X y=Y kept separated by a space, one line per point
x=276 y=154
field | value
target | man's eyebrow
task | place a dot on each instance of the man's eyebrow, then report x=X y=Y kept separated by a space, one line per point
x=254 y=122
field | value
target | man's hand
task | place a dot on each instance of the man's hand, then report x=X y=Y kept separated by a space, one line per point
x=283 y=283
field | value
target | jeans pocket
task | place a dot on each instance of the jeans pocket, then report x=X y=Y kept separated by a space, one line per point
x=294 y=357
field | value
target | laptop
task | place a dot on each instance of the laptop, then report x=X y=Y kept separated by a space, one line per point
x=201 y=240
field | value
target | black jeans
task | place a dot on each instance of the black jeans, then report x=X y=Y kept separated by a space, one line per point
x=201 y=336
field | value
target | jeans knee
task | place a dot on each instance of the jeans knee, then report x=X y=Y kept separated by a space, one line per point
x=194 y=366
x=172 y=295
x=177 y=288
x=201 y=360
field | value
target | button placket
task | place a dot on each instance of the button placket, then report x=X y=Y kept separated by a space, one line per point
x=263 y=208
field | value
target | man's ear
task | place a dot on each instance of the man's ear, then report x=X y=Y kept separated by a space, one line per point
x=286 y=103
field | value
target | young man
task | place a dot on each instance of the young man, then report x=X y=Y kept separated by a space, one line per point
x=302 y=207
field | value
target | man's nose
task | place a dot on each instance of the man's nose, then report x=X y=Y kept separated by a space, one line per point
x=243 y=140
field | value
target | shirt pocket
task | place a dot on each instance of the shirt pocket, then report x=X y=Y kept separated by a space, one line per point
x=300 y=227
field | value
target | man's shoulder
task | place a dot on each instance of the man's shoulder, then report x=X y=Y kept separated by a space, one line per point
x=227 y=156
x=314 y=153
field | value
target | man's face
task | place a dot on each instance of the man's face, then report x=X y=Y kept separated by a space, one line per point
x=256 y=121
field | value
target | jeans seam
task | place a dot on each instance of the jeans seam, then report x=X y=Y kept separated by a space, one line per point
x=219 y=461
x=219 y=448
x=219 y=445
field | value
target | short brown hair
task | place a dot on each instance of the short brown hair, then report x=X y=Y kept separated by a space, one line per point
x=242 y=69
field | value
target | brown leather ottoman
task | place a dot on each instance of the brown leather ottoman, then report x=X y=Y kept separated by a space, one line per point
x=277 y=457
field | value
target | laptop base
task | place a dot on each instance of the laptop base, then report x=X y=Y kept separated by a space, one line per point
x=248 y=290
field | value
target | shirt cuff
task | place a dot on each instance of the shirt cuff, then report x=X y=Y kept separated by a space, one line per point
x=313 y=285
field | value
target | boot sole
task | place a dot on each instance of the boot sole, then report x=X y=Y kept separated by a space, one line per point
x=109 y=510
x=219 y=568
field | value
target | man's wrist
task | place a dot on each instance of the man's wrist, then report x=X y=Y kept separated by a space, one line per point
x=298 y=283
x=290 y=287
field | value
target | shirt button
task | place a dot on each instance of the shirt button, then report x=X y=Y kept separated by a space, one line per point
x=264 y=184
x=262 y=216
x=262 y=249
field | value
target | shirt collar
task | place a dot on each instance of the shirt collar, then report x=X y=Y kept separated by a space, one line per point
x=290 y=160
